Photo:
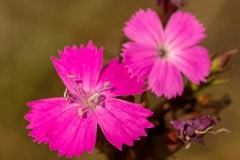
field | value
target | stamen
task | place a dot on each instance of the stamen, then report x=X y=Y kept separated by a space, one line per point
x=219 y=131
x=80 y=112
x=187 y=138
x=94 y=98
x=65 y=94
x=107 y=84
x=187 y=141
x=204 y=131
x=90 y=99
x=85 y=101
x=104 y=87
x=72 y=76
x=188 y=145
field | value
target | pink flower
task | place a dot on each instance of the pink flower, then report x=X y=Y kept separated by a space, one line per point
x=69 y=124
x=160 y=55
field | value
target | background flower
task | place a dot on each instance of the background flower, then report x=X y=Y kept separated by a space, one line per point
x=160 y=55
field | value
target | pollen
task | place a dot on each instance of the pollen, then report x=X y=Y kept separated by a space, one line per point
x=107 y=84
x=65 y=94
x=72 y=76
x=94 y=98
x=80 y=112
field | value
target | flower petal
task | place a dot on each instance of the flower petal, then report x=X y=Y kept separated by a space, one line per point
x=183 y=30
x=41 y=114
x=145 y=27
x=122 y=121
x=165 y=79
x=72 y=134
x=58 y=123
x=193 y=62
x=139 y=59
x=83 y=64
x=120 y=80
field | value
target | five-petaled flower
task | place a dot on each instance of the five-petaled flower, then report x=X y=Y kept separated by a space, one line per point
x=69 y=124
x=159 y=56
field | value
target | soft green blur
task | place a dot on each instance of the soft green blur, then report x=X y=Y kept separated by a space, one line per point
x=32 y=31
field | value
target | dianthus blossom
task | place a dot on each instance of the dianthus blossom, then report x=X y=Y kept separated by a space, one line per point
x=160 y=55
x=69 y=123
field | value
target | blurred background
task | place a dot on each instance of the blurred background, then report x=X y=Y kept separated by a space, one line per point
x=32 y=31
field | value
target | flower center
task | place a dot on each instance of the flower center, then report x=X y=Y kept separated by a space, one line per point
x=83 y=100
x=162 y=52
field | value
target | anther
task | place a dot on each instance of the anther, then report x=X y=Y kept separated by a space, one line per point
x=94 y=98
x=65 y=94
x=204 y=131
x=80 y=112
x=219 y=131
x=107 y=84
x=188 y=145
x=187 y=138
x=187 y=142
x=72 y=76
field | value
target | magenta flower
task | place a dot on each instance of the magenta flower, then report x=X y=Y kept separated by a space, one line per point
x=160 y=55
x=69 y=124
